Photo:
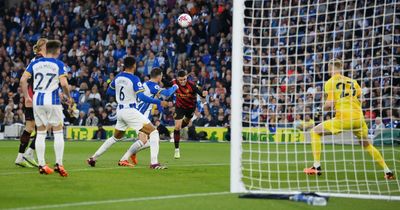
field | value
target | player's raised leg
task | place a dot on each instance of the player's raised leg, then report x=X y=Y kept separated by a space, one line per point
x=177 y=137
x=136 y=120
x=154 y=141
x=140 y=144
x=362 y=134
x=316 y=134
x=118 y=134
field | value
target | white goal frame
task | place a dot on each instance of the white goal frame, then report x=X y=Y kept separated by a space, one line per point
x=236 y=183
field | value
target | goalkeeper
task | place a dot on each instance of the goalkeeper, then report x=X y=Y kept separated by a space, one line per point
x=342 y=95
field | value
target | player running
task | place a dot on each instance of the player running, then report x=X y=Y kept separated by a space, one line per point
x=48 y=73
x=128 y=88
x=342 y=95
x=153 y=90
x=26 y=158
x=186 y=97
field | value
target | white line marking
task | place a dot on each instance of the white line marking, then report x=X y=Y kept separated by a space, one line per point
x=124 y=200
x=113 y=168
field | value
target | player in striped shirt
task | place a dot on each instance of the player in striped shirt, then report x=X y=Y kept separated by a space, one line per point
x=153 y=90
x=26 y=158
x=48 y=74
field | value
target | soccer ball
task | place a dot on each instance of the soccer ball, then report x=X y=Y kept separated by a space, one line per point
x=184 y=20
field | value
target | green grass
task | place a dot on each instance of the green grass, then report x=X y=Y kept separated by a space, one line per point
x=203 y=168
x=346 y=169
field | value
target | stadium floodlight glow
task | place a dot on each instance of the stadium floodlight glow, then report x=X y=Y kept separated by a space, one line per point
x=281 y=51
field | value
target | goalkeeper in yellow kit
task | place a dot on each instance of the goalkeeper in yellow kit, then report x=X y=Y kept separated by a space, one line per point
x=342 y=96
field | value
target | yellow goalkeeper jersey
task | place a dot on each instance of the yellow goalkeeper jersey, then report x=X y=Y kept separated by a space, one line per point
x=344 y=92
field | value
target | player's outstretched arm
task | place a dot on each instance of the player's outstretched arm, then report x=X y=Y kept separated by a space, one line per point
x=147 y=99
x=201 y=93
x=170 y=91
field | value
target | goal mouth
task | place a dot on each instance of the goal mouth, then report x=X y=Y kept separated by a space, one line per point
x=302 y=71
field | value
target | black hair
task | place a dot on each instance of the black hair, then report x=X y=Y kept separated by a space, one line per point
x=52 y=46
x=129 y=62
x=155 y=72
x=181 y=73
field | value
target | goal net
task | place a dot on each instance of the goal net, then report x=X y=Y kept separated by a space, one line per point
x=281 y=51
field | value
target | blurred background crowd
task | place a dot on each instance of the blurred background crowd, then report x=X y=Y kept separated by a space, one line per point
x=284 y=70
x=287 y=48
x=97 y=35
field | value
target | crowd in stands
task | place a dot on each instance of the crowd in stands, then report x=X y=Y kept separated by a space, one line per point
x=97 y=35
x=284 y=72
x=293 y=41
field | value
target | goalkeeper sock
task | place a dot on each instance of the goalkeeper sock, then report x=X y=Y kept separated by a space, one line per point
x=177 y=138
x=105 y=146
x=41 y=147
x=376 y=155
x=316 y=148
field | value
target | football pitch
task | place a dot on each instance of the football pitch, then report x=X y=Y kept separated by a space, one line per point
x=199 y=180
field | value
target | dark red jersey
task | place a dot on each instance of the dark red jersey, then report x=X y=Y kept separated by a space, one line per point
x=30 y=81
x=186 y=96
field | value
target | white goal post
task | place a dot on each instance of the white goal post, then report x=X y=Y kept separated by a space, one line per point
x=280 y=54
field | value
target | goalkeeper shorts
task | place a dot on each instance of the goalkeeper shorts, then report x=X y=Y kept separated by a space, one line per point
x=357 y=126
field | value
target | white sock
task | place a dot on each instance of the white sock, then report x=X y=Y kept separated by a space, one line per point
x=317 y=164
x=59 y=146
x=105 y=146
x=19 y=158
x=147 y=145
x=40 y=146
x=132 y=150
x=29 y=153
x=177 y=150
x=154 y=146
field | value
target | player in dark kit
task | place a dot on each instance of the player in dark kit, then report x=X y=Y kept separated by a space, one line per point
x=26 y=158
x=186 y=98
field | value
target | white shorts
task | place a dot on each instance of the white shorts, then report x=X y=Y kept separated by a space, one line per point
x=130 y=118
x=48 y=115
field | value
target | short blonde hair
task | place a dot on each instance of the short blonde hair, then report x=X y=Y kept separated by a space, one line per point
x=338 y=64
x=39 y=44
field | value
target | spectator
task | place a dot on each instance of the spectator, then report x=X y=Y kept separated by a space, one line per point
x=94 y=97
x=92 y=120
x=81 y=120
x=100 y=133
x=376 y=127
x=305 y=124
x=104 y=119
x=8 y=116
x=199 y=120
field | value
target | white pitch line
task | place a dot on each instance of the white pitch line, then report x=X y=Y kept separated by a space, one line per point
x=124 y=200
x=113 y=168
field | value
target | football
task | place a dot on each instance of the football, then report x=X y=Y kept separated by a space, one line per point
x=184 y=20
